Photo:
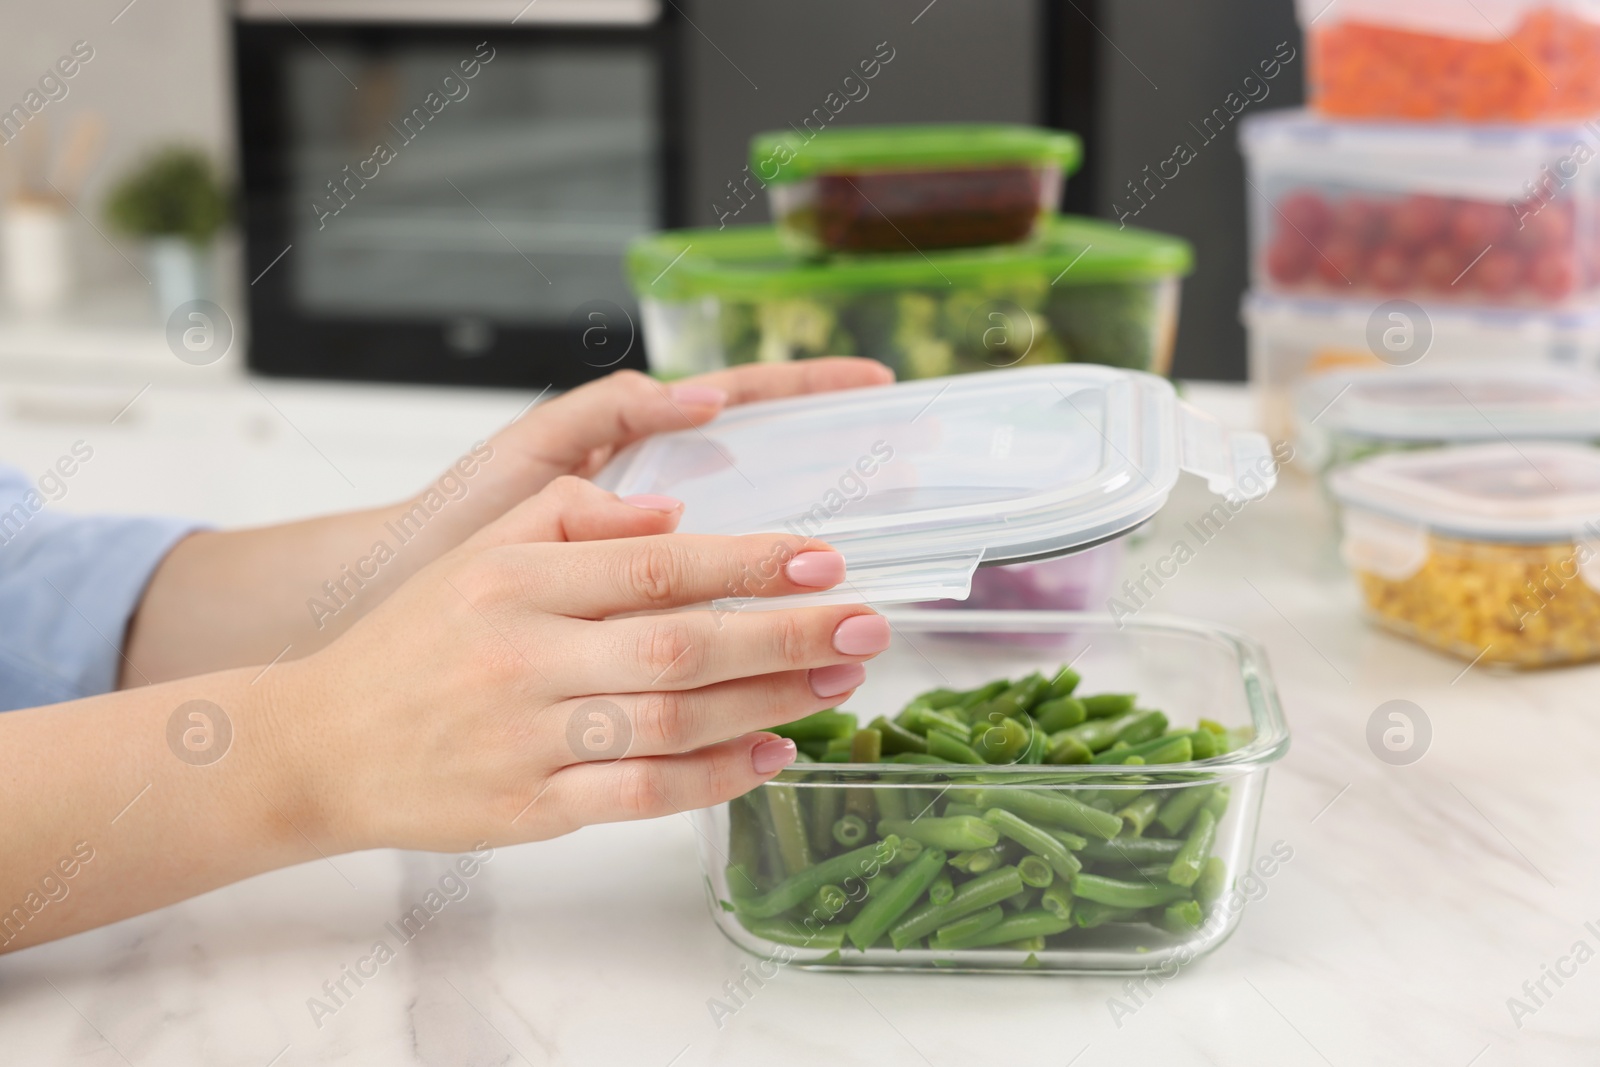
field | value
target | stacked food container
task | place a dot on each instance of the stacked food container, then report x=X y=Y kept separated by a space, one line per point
x=1436 y=200
x=936 y=249
x=1423 y=316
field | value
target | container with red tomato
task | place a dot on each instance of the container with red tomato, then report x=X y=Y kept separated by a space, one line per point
x=1496 y=215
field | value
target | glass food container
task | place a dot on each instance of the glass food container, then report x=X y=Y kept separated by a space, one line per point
x=911 y=188
x=1120 y=901
x=1086 y=292
x=1344 y=418
x=1487 y=552
x=1293 y=339
x=1506 y=61
x=917 y=484
x=1499 y=215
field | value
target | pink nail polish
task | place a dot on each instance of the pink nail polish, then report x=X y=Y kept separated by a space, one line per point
x=862 y=635
x=698 y=396
x=819 y=570
x=840 y=678
x=770 y=756
x=653 y=502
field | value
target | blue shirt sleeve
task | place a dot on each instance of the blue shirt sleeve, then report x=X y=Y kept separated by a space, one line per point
x=68 y=587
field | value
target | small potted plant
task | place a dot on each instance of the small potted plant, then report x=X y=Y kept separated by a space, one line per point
x=175 y=201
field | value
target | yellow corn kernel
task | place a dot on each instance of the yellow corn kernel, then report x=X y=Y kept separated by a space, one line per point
x=1519 y=605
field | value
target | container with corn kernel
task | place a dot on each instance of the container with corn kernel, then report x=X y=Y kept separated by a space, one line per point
x=1488 y=552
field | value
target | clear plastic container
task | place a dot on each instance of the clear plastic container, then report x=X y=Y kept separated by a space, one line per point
x=1497 y=215
x=911 y=188
x=1085 y=292
x=1192 y=670
x=1293 y=339
x=1488 y=552
x=1454 y=60
x=919 y=483
x=1344 y=418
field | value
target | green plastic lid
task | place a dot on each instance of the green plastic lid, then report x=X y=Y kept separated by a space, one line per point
x=789 y=155
x=751 y=263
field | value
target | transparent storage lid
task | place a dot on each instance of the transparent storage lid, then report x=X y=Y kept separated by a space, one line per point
x=1412 y=404
x=919 y=483
x=1505 y=492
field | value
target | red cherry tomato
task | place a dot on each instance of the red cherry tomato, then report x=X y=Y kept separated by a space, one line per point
x=1420 y=220
x=1477 y=225
x=1342 y=262
x=1497 y=273
x=1439 y=267
x=1553 y=276
x=1306 y=214
x=1390 y=269
x=1549 y=227
x=1290 y=258
x=1359 y=219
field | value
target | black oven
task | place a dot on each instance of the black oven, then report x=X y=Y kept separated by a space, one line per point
x=442 y=190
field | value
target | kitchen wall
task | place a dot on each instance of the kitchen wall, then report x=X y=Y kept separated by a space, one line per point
x=158 y=74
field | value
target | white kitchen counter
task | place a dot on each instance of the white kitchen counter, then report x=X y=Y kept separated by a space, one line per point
x=1418 y=898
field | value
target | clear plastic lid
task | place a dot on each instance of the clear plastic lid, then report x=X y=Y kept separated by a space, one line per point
x=919 y=483
x=1412 y=404
x=1520 y=493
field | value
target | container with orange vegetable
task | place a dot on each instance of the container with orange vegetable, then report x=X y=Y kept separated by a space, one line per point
x=1453 y=60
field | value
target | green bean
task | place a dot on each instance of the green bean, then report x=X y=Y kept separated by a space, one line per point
x=1213 y=881
x=829 y=900
x=866 y=746
x=946 y=721
x=1147 y=727
x=1065 y=749
x=891 y=802
x=1053 y=808
x=1038 y=745
x=1059 y=714
x=1062 y=683
x=1071 y=840
x=836 y=869
x=1022 y=901
x=818 y=726
x=889 y=902
x=744 y=834
x=822 y=811
x=1182 y=917
x=955 y=807
x=1003 y=742
x=1091 y=913
x=1235 y=738
x=1120 y=894
x=1185 y=869
x=817 y=750
x=850 y=830
x=940 y=698
x=838 y=750
x=942 y=889
x=1098 y=734
x=910 y=848
x=1024 y=924
x=789 y=932
x=968 y=926
x=1181 y=806
x=973 y=895
x=957 y=833
x=788 y=826
x=978 y=860
x=1137 y=813
x=1029 y=945
x=897 y=738
x=1108 y=705
x=1020 y=697
x=1132 y=851
x=1057 y=900
x=914 y=757
x=1036 y=871
x=741 y=881
x=1035 y=840
x=908 y=715
x=1217 y=802
x=1158 y=750
x=974 y=697
x=1203 y=742
x=950 y=748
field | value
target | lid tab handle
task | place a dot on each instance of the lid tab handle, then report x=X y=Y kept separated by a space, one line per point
x=1234 y=463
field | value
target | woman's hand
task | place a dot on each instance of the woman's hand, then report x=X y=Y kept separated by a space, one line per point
x=513 y=691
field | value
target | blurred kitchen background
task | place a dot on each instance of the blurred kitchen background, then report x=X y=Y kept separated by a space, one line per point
x=476 y=257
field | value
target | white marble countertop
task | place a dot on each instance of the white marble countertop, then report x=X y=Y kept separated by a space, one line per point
x=1418 y=900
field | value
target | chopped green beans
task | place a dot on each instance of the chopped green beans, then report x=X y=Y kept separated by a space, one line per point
x=956 y=833
x=1120 y=894
x=889 y=902
x=1185 y=869
x=850 y=830
x=1022 y=813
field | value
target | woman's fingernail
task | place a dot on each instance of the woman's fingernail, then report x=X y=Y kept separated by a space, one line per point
x=862 y=635
x=773 y=755
x=698 y=396
x=653 y=502
x=840 y=678
x=818 y=570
